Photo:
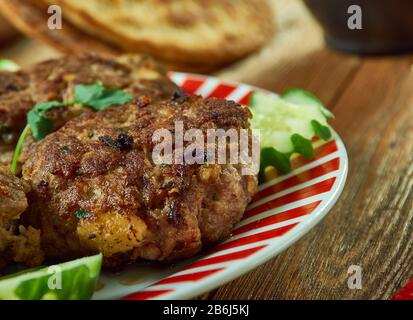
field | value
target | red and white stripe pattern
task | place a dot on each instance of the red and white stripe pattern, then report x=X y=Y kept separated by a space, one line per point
x=283 y=210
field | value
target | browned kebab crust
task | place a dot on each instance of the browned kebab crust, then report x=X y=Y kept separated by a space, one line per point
x=56 y=79
x=17 y=243
x=102 y=163
x=15 y=101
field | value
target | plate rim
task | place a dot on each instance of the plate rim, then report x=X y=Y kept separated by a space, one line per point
x=267 y=253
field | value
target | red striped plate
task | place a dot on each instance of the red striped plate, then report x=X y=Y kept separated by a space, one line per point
x=283 y=210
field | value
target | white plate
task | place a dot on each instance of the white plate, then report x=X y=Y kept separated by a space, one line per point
x=284 y=209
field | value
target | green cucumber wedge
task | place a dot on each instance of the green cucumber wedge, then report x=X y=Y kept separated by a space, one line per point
x=73 y=280
x=8 y=65
x=287 y=125
x=302 y=97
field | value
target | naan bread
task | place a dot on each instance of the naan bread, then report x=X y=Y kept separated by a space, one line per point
x=190 y=35
x=31 y=18
x=194 y=31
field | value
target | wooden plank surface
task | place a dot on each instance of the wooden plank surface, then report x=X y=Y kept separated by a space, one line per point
x=372 y=224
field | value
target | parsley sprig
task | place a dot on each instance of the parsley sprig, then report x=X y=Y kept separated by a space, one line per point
x=39 y=122
x=94 y=96
x=99 y=98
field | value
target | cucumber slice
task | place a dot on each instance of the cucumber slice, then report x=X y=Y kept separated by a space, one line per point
x=287 y=127
x=278 y=119
x=321 y=131
x=73 y=280
x=302 y=97
x=8 y=65
x=302 y=146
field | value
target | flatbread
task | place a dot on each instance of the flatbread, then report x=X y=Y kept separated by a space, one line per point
x=31 y=19
x=180 y=31
x=186 y=35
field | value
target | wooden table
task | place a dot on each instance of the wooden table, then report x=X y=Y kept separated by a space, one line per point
x=372 y=224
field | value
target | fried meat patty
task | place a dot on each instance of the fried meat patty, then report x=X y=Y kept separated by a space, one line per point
x=15 y=102
x=17 y=243
x=95 y=187
x=56 y=80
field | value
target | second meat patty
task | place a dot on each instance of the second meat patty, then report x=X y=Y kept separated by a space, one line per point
x=55 y=80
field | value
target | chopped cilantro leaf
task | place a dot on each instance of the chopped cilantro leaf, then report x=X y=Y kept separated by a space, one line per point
x=100 y=98
x=81 y=214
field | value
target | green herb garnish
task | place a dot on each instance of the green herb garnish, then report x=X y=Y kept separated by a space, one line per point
x=81 y=214
x=8 y=65
x=40 y=124
x=99 y=98
x=95 y=96
x=18 y=150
